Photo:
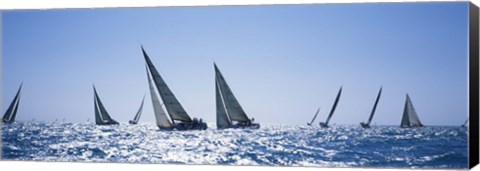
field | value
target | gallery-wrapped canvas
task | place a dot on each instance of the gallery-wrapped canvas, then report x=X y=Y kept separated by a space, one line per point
x=359 y=85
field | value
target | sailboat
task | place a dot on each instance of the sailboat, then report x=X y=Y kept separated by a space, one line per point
x=310 y=124
x=228 y=108
x=139 y=113
x=101 y=115
x=410 y=118
x=325 y=124
x=367 y=124
x=11 y=113
x=179 y=119
x=465 y=124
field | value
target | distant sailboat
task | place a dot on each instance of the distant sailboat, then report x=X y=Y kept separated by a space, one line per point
x=101 y=115
x=310 y=124
x=137 y=116
x=325 y=124
x=174 y=108
x=228 y=107
x=465 y=124
x=11 y=113
x=367 y=125
x=410 y=118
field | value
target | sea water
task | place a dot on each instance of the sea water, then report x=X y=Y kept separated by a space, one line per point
x=271 y=145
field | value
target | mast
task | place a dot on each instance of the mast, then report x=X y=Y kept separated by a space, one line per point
x=173 y=106
x=374 y=106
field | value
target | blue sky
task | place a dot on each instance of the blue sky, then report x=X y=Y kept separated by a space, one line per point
x=282 y=61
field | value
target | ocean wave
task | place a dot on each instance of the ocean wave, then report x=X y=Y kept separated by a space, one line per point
x=271 y=145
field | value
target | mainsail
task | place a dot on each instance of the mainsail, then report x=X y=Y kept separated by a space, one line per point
x=101 y=115
x=222 y=118
x=11 y=113
x=174 y=108
x=325 y=124
x=410 y=117
x=367 y=125
x=160 y=115
x=314 y=117
x=233 y=108
x=139 y=113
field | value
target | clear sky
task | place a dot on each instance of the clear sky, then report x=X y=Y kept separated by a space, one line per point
x=282 y=62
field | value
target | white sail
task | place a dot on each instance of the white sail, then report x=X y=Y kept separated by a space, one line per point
x=222 y=118
x=234 y=110
x=139 y=112
x=11 y=113
x=98 y=117
x=410 y=117
x=160 y=115
x=174 y=108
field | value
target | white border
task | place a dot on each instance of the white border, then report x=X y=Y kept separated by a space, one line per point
x=56 y=4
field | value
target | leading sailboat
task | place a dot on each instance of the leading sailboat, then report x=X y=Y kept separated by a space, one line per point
x=179 y=119
x=410 y=118
x=11 y=113
x=367 y=124
x=325 y=124
x=228 y=108
x=101 y=115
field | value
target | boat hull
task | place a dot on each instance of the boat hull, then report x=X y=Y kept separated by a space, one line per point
x=185 y=126
x=240 y=126
x=191 y=126
x=5 y=122
x=365 y=125
x=411 y=126
x=108 y=123
x=132 y=122
x=323 y=125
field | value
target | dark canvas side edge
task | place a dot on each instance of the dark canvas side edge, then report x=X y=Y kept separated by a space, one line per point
x=473 y=146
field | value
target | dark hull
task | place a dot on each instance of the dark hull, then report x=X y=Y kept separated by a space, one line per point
x=365 y=125
x=6 y=122
x=412 y=126
x=185 y=126
x=323 y=125
x=132 y=122
x=108 y=123
x=240 y=126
